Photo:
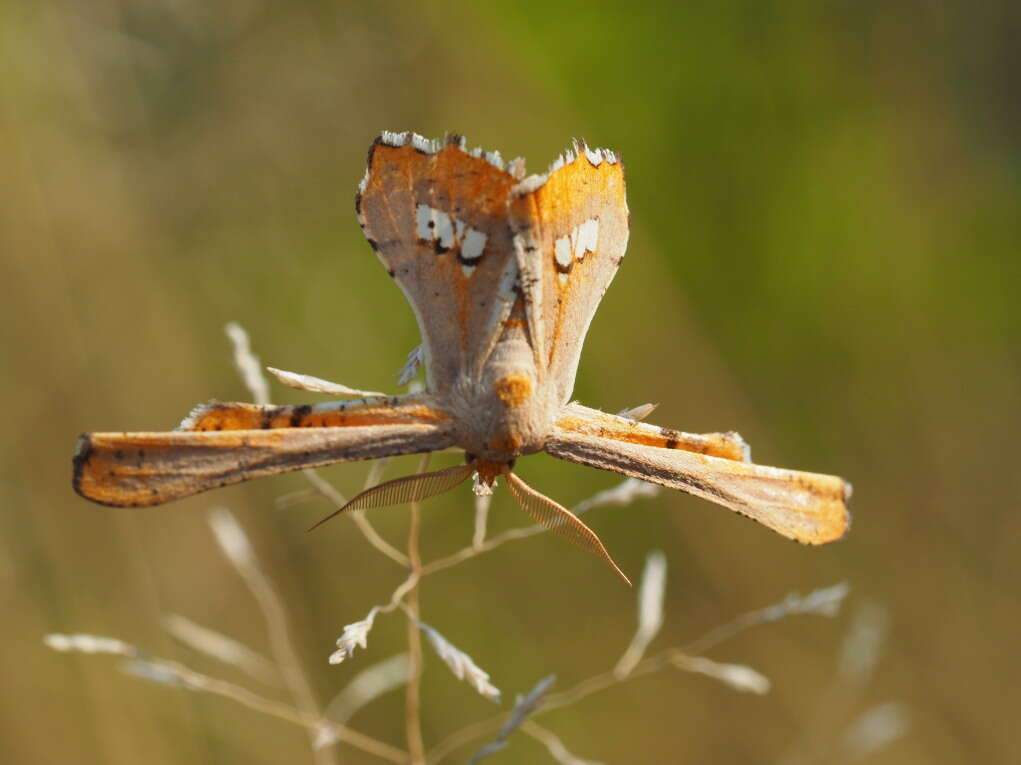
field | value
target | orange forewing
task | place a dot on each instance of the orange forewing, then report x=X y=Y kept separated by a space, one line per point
x=454 y=310
x=575 y=194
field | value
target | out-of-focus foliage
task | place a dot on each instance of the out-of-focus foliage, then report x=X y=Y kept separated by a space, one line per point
x=824 y=256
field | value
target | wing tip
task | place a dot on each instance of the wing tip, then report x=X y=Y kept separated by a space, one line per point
x=577 y=150
x=84 y=480
x=82 y=454
x=838 y=519
x=847 y=491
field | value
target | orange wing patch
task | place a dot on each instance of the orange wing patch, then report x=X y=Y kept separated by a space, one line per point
x=591 y=422
x=571 y=231
x=436 y=215
x=398 y=410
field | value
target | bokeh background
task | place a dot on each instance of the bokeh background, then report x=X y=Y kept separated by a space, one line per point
x=824 y=256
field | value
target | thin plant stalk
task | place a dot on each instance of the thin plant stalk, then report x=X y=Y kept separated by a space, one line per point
x=413 y=691
x=327 y=490
x=275 y=614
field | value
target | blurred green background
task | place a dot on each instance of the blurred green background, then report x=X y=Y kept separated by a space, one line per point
x=824 y=256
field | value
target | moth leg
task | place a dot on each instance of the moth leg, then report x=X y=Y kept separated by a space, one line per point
x=582 y=420
x=319 y=385
x=410 y=368
x=411 y=488
x=807 y=507
x=415 y=409
x=559 y=520
x=141 y=469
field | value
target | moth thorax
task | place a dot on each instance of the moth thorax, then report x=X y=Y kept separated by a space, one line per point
x=514 y=389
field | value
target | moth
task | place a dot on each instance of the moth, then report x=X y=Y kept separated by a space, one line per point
x=504 y=273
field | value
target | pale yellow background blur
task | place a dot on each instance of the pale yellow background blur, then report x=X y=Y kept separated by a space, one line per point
x=824 y=256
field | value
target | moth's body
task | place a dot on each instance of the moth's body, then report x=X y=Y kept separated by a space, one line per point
x=506 y=411
x=504 y=274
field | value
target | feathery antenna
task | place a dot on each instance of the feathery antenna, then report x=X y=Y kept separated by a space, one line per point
x=412 y=488
x=559 y=520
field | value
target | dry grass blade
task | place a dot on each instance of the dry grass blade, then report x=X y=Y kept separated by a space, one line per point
x=176 y=674
x=239 y=551
x=84 y=643
x=650 y=612
x=737 y=676
x=412 y=488
x=461 y=664
x=553 y=744
x=825 y=601
x=559 y=520
x=329 y=491
x=319 y=385
x=624 y=493
x=368 y=685
x=524 y=706
x=863 y=644
x=222 y=648
x=248 y=364
x=875 y=729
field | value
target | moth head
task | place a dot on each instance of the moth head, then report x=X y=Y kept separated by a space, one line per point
x=487 y=471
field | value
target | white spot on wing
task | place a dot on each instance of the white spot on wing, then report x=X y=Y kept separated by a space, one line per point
x=432 y=225
x=563 y=278
x=588 y=237
x=562 y=251
x=473 y=245
x=467 y=269
x=444 y=229
x=582 y=239
x=423 y=217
